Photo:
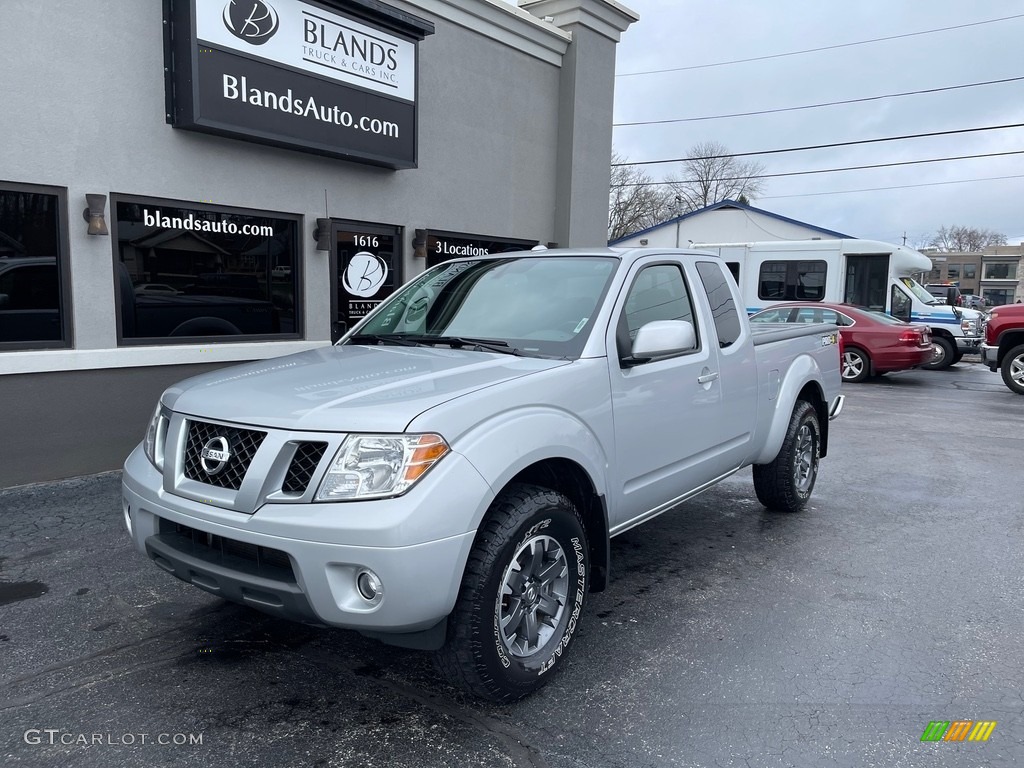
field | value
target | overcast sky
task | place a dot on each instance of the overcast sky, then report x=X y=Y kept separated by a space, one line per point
x=684 y=33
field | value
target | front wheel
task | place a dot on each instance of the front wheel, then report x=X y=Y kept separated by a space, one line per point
x=943 y=352
x=521 y=596
x=786 y=483
x=856 y=365
x=1012 y=369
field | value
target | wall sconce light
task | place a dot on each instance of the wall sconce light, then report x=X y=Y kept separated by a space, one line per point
x=322 y=234
x=419 y=244
x=94 y=214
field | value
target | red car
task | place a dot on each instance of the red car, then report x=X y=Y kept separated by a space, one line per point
x=873 y=342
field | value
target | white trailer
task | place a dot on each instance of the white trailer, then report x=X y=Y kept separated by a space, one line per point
x=868 y=273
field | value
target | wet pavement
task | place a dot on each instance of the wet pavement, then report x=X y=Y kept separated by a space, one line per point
x=729 y=636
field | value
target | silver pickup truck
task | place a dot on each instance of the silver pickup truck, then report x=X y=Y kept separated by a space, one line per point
x=448 y=476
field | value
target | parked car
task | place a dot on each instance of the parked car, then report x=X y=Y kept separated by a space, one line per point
x=1003 y=349
x=973 y=301
x=157 y=288
x=873 y=342
x=29 y=299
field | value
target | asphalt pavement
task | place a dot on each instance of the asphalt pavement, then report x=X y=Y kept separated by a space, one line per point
x=729 y=636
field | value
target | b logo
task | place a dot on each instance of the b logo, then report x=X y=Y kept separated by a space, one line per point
x=254 y=21
x=365 y=274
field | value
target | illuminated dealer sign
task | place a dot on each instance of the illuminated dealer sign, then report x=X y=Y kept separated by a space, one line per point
x=336 y=79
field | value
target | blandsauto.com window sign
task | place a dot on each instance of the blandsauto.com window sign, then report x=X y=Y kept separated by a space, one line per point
x=334 y=78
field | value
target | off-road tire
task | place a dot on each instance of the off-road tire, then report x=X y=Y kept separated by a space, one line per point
x=856 y=365
x=944 y=352
x=1012 y=369
x=531 y=531
x=785 y=485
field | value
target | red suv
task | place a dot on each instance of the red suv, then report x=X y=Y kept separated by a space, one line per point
x=1003 y=349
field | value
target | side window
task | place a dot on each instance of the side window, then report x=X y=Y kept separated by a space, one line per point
x=772 y=316
x=810 y=280
x=658 y=293
x=900 y=304
x=723 y=308
x=792 y=280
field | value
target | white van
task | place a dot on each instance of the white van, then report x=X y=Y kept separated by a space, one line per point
x=867 y=273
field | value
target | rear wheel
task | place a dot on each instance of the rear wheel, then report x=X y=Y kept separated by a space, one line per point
x=1012 y=369
x=786 y=483
x=521 y=596
x=856 y=365
x=943 y=352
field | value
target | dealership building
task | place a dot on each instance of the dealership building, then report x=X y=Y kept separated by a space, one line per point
x=192 y=183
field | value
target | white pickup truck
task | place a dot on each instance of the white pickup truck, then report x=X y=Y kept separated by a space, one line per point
x=448 y=476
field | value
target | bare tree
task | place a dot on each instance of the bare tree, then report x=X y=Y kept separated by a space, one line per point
x=635 y=202
x=709 y=174
x=958 y=239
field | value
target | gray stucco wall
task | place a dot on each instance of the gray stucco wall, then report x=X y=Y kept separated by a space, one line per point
x=84 y=110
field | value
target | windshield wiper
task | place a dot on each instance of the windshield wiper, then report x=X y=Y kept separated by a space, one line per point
x=457 y=342
x=371 y=338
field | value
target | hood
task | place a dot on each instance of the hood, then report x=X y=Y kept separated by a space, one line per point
x=347 y=388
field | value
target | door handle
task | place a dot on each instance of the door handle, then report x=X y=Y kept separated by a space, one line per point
x=707 y=378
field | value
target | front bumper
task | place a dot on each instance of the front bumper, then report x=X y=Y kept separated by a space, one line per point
x=302 y=561
x=969 y=343
x=990 y=356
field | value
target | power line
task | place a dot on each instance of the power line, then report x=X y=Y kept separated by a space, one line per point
x=816 y=50
x=825 y=146
x=829 y=170
x=816 y=106
x=881 y=189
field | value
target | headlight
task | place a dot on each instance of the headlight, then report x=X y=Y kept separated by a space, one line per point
x=969 y=327
x=156 y=436
x=377 y=466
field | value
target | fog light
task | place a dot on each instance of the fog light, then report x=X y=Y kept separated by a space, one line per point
x=369 y=586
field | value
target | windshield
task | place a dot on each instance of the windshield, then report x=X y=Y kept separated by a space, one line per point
x=919 y=292
x=532 y=305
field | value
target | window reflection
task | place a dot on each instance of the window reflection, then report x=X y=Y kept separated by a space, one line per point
x=31 y=305
x=201 y=271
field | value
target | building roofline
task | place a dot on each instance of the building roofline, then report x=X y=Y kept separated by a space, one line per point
x=741 y=207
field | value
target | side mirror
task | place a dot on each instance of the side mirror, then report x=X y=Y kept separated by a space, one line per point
x=951 y=297
x=661 y=338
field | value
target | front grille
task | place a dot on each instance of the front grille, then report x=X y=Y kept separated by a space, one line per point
x=242 y=445
x=263 y=561
x=304 y=463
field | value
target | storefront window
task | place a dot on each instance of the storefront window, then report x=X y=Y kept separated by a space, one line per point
x=197 y=272
x=998 y=296
x=1006 y=271
x=34 y=306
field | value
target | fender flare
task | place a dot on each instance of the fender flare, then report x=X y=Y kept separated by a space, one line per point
x=803 y=371
x=502 y=447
